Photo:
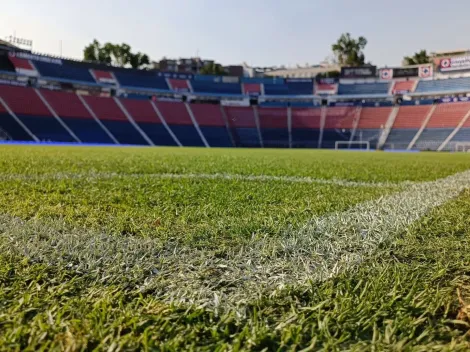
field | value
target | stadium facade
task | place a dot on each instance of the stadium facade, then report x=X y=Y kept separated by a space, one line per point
x=423 y=107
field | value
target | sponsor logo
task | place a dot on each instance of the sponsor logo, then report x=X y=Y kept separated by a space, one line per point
x=455 y=63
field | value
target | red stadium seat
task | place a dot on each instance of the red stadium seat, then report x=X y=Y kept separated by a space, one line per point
x=105 y=108
x=66 y=104
x=340 y=117
x=448 y=115
x=374 y=118
x=23 y=101
x=180 y=85
x=411 y=116
x=403 y=86
x=252 y=88
x=104 y=76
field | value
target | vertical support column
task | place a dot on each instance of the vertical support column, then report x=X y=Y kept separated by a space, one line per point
x=289 y=125
x=229 y=130
x=255 y=112
x=357 y=117
x=322 y=125
x=388 y=126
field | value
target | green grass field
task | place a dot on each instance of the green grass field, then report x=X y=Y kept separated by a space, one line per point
x=120 y=249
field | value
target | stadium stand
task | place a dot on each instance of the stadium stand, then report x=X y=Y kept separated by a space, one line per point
x=147 y=119
x=252 y=89
x=274 y=128
x=371 y=123
x=443 y=121
x=403 y=86
x=339 y=125
x=212 y=124
x=105 y=104
x=216 y=88
x=10 y=125
x=444 y=85
x=103 y=76
x=141 y=79
x=64 y=72
x=306 y=125
x=243 y=125
x=31 y=111
x=179 y=85
x=74 y=114
x=114 y=119
x=407 y=123
x=363 y=88
x=179 y=121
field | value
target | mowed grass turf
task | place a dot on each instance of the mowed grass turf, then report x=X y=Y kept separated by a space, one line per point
x=412 y=293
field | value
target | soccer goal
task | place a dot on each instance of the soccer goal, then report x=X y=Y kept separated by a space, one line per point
x=352 y=145
x=462 y=147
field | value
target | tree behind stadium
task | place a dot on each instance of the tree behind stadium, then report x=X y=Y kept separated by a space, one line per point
x=114 y=54
x=349 y=51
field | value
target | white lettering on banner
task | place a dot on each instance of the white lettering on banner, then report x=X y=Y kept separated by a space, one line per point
x=13 y=83
x=455 y=63
x=227 y=102
x=28 y=56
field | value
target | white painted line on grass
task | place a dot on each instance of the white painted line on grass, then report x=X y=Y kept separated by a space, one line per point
x=235 y=276
x=196 y=176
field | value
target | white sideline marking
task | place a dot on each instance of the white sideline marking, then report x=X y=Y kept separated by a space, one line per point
x=217 y=176
x=233 y=277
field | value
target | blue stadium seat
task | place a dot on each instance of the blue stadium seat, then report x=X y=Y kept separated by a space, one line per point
x=276 y=89
x=444 y=85
x=213 y=87
x=14 y=130
x=462 y=136
x=364 y=88
x=331 y=136
x=305 y=138
x=88 y=130
x=157 y=133
x=432 y=138
x=46 y=128
x=300 y=88
x=64 y=71
x=141 y=79
x=400 y=138
x=246 y=137
x=187 y=135
x=124 y=132
x=368 y=135
x=216 y=136
x=275 y=137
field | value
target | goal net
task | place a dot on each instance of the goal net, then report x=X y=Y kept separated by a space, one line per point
x=462 y=147
x=355 y=145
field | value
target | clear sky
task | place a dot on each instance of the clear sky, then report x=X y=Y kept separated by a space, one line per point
x=259 y=32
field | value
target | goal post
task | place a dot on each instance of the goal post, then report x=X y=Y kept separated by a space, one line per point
x=364 y=145
x=462 y=147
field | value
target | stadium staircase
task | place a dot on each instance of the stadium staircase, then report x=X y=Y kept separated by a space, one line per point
x=388 y=127
x=423 y=126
